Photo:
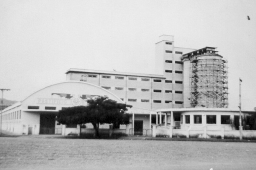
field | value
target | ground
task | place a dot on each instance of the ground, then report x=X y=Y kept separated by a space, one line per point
x=61 y=153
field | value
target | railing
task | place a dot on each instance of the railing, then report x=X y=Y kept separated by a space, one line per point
x=144 y=132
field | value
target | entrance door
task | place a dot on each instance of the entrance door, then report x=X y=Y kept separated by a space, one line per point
x=47 y=124
x=138 y=127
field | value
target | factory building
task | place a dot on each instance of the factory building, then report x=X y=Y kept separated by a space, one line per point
x=188 y=91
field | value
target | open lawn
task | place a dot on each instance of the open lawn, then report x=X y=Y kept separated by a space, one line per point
x=61 y=153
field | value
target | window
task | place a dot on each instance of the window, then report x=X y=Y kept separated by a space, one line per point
x=157 y=80
x=120 y=78
x=157 y=101
x=168 y=81
x=178 y=82
x=144 y=100
x=92 y=75
x=144 y=90
x=122 y=99
x=211 y=119
x=178 y=102
x=178 y=62
x=33 y=107
x=132 y=100
x=178 y=92
x=168 y=43
x=119 y=88
x=225 y=119
x=157 y=91
x=178 y=72
x=144 y=79
x=168 y=61
x=108 y=88
x=168 y=101
x=106 y=77
x=132 y=78
x=50 y=108
x=187 y=119
x=178 y=52
x=168 y=71
x=167 y=51
x=168 y=91
x=132 y=89
x=198 y=119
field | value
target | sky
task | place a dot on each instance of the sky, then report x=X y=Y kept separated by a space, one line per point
x=41 y=39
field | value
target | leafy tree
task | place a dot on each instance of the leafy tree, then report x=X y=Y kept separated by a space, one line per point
x=99 y=110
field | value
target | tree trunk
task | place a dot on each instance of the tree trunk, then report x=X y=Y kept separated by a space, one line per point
x=96 y=128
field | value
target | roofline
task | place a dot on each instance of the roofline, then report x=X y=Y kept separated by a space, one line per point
x=74 y=70
x=202 y=110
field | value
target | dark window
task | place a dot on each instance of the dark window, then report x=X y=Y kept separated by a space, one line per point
x=168 y=91
x=50 y=108
x=168 y=43
x=157 y=80
x=167 y=51
x=106 y=87
x=178 y=52
x=168 y=61
x=178 y=82
x=178 y=92
x=120 y=78
x=144 y=90
x=157 y=101
x=132 y=89
x=198 y=119
x=211 y=119
x=33 y=107
x=187 y=119
x=122 y=99
x=144 y=79
x=178 y=72
x=63 y=108
x=168 y=71
x=132 y=78
x=144 y=100
x=119 y=88
x=157 y=91
x=132 y=100
x=168 y=101
x=92 y=76
x=178 y=102
x=168 y=81
x=106 y=77
x=225 y=119
x=178 y=62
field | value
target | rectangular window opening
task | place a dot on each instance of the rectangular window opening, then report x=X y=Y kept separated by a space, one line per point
x=144 y=100
x=132 y=89
x=178 y=102
x=50 y=108
x=168 y=91
x=157 y=80
x=157 y=101
x=132 y=78
x=168 y=81
x=168 y=101
x=92 y=76
x=178 y=92
x=33 y=107
x=119 y=88
x=106 y=77
x=107 y=88
x=178 y=72
x=178 y=62
x=187 y=119
x=178 y=82
x=132 y=100
x=157 y=91
x=168 y=71
x=211 y=119
x=225 y=119
x=144 y=79
x=119 y=78
x=168 y=61
x=168 y=51
x=178 y=52
x=144 y=90
x=197 y=119
x=168 y=43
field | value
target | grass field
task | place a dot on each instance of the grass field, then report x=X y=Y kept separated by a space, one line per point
x=61 y=153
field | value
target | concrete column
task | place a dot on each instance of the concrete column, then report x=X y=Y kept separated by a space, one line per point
x=170 y=132
x=133 y=117
x=78 y=130
x=63 y=132
x=154 y=131
x=172 y=120
x=165 y=119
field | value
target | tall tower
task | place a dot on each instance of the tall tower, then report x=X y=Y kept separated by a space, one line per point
x=205 y=79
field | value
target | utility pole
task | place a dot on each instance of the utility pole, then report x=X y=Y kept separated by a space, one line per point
x=2 y=107
x=240 y=108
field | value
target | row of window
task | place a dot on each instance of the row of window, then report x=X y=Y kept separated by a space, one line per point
x=176 y=52
x=12 y=116
x=210 y=119
x=46 y=107
x=154 y=101
x=170 y=71
x=176 y=62
x=143 y=90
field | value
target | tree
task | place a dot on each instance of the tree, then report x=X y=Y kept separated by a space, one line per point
x=99 y=110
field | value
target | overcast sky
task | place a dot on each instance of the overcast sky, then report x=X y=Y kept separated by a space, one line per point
x=41 y=39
